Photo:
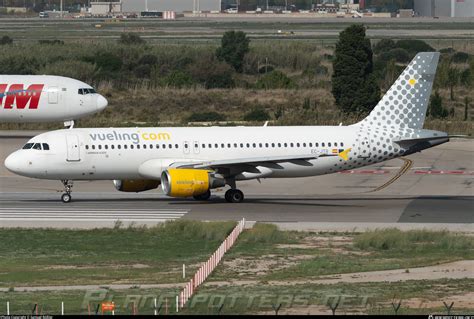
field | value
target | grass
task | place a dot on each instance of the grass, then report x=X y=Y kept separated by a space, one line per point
x=30 y=257
x=370 y=298
x=384 y=249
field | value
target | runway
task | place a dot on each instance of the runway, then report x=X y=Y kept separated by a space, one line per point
x=435 y=193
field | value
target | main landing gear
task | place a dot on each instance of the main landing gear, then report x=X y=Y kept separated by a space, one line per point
x=66 y=196
x=234 y=195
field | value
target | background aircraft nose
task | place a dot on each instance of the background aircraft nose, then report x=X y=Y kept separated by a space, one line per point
x=101 y=102
x=12 y=163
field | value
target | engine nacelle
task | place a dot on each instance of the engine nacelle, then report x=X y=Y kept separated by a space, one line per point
x=135 y=185
x=189 y=182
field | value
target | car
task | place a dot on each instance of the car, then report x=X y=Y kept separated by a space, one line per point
x=231 y=10
x=43 y=15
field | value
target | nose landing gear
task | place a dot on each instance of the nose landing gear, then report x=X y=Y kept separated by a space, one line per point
x=66 y=196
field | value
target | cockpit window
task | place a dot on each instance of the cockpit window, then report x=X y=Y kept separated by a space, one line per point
x=45 y=147
x=86 y=91
x=37 y=146
x=28 y=146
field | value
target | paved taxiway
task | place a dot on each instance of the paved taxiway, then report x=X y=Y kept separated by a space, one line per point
x=436 y=193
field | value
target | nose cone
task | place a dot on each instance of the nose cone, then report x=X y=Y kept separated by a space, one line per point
x=101 y=103
x=13 y=163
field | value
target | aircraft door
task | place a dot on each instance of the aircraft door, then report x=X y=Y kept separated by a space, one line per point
x=186 y=147
x=196 y=147
x=73 y=150
x=363 y=150
x=53 y=93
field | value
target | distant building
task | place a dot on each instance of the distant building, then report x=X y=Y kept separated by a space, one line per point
x=105 y=7
x=444 y=8
x=171 y=5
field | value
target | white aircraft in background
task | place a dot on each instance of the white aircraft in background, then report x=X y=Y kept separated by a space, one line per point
x=46 y=98
x=189 y=162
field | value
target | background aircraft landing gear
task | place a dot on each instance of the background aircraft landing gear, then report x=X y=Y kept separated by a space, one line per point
x=234 y=196
x=204 y=196
x=66 y=196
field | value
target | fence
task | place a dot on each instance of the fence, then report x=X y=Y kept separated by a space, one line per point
x=206 y=269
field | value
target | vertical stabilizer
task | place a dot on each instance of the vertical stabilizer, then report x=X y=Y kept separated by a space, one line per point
x=404 y=104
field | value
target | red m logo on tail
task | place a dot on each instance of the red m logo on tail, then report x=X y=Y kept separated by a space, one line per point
x=17 y=94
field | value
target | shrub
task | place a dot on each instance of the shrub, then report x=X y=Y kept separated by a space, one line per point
x=460 y=57
x=142 y=71
x=107 y=61
x=414 y=46
x=274 y=80
x=179 y=79
x=264 y=233
x=206 y=117
x=436 y=109
x=130 y=38
x=257 y=114
x=384 y=45
x=447 y=50
x=149 y=59
x=6 y=40
x=75 y=69
x=397 y=54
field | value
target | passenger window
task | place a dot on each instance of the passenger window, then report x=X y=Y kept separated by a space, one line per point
x=93 y=147
x=310 y=144
x=37 y=146
x=335 y=144
x=316 y=144
x=241 y=145
x=216 y=145
x=131 y=147
x=119 y=146
x=291 y=144
x=286 y=144
x=322 y=144
x=164 y=146
x=229 y=145
x=297 y=144
x=223 y=145
x=176 y=146
x=266 y=144
x=235 y=145
x=106 y=147
x=254 y=145
x=138 y=147
x=273 y=144
x=28 y=146
x=260 y=145
x=279 y=144
x=203 y=145
x=248 y=145
x=170 y=146
x=100 y=147
x=342 y=144
x=210 y=145
x=87 y=147
x=144 y=146
x=304 y=144
x=125 y=147
x=112 y=146
x=329 y=144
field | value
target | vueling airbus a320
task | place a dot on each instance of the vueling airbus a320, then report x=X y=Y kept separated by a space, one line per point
x=189 y=162
x=46 y=98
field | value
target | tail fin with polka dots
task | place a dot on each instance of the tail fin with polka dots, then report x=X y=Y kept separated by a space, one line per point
x=404 y=104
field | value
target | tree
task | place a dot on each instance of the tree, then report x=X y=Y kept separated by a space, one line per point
x=354 y=85
x=234 y=46
x=436 y=108
x=274 y=80
x=453 y=80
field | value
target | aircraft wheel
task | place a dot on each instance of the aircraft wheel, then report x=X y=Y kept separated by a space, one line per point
x=204 y=196
x=234 y=196
x=66 y=198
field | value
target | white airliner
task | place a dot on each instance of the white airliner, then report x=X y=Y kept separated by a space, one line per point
x=189 y=162
x=46 y=98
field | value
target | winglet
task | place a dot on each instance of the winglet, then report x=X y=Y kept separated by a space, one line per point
x=345 y=154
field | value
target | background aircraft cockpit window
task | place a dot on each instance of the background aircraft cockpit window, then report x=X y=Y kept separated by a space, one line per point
x=45 y=147
x=28 y=146
x=86 y=91
x=37 y=146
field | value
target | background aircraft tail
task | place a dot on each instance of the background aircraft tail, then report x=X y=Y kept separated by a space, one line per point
x=404 y=104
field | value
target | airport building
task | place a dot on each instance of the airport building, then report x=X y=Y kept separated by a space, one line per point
x=444 y=8
x=135 y=6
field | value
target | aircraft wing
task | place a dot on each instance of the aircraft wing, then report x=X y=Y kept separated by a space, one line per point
x=253 y=161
